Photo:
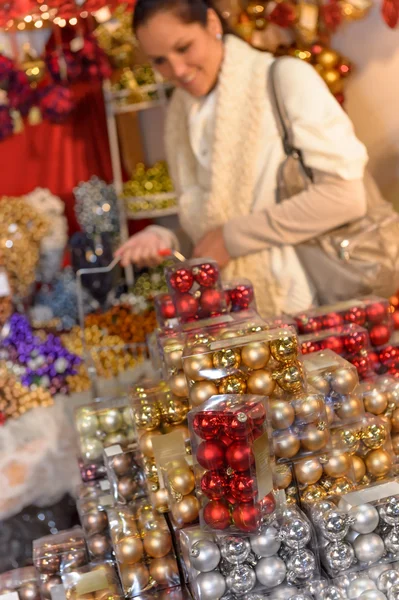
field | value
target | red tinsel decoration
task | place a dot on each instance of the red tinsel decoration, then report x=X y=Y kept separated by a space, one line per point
x=6 y=124
x=283 y=15
x=331 y=15
x=56 y=103
x=390 y=12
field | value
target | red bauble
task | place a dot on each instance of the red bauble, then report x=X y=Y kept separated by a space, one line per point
x=362 y=364
x=376 y=313
x=374 y=360
x=388 y=355
x=186 y=306
x=217 y=514
x=268 y=504
x=332 y=320
x=379 y=335
x=334 y=343
x=206 y=424
x=225 y=439
x=356 y=315
x=239 y=425
x=168 y=310
x=241 y=297
x=239 y=456
x=308 y=324
x=247 y=517
x=311 y=346
x=206 y=274
x=243 y=487
x=355 y=341
x=211 y=455
x=182 y=280
x=215 y=485
x=256 y=412
x=212 y=301
x=395 y=318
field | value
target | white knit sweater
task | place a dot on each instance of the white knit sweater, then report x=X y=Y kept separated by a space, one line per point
x=224 y=151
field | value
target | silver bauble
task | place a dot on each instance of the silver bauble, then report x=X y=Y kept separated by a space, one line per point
x=234 y=549
x=366 y=518
x=204 y=556
x=252 y=560
x=392 y=541
x=271 y=571
x=283 y=592
x=241 y=580
x=301 y=565
x=225 y=567
x=389 y=512
x=339 y=556
x=334 y=525
x=375 y=572
x=295 y=533
x=111 y=420
x=332 y=593
x=387 y=579
x=393 y=593
x=358 y=586
x=351 y=536
x=210 y=586
x=254 y=596
x=320 y=508
x=300 y=597
x=266 y=543
x=372 y=595
x=369 y=548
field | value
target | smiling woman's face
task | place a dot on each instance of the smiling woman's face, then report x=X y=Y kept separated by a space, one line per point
x=187 y=54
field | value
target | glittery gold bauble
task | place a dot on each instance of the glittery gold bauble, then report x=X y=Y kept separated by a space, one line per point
x=290 y=378
x=313 y=493
x=281 y=413
x=147 y=416
x=284 y=349
x=341 y=486
x=255 y=355
x=160 y=500
x=178 y=385
x=359 y=468
x=395 y=443
x=286 y=444
x=187 y=510
x=202 y=391
x=374 y=436
x=351 y=408
x=173 y=356
x=376 y=402
x=134 y=578
x=308 y=408
x=350 y=438
x=165 y=571
x=145 y=443
x=379 y=462
x=151 y=471
x=327 y=58
x=261 y=382
x=308 y=471
x=197 y=365
x=228 y=358
x=157 y=543
x=173 y=410
x=111 y=420
x=129 y=550
x=282 y=476
x=233 y=384
x=315 y=437
x=395 y=420
x=333 y=79
x=338 y=465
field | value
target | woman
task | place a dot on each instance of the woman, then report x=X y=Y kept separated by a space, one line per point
x=224 y=150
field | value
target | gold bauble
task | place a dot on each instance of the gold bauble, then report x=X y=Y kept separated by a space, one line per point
x=327 y=58
x=350 y=438
x=173 y=354
x=341 y=486
x=338 y=465
x=134 y=579
x=284 y=349
x=351 y=408
x=374 y=436
x=282 y=476
x=333 y=79
x=182 y=480
x=227 y=358
x=376 y=402
x=129 y=550
x=330 y=413
x=173 y=410
x=308 y=471
x=261 y=382
x=160 y=500
x=281 y=414
x=395 y=420
x=352 y=11
x=157 y=543
x=320 y=383
x=145 y=443
x=286 y=444
x=178 y=385
x=151 y=471
x=164 y=571
x=313 y=493
x=308 y=409
x=315 y=437
x=201 y=391
x=34 y=70
x=395 y=443
x=255 y=355
x=379 y=462
x=359 y=468
x=290 y=378
x=233 y=384
x=147 y=416
x=197 y=365
x=187 y=510
x=122 y=55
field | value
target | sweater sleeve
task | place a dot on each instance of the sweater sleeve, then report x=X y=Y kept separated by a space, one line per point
x=326 y=204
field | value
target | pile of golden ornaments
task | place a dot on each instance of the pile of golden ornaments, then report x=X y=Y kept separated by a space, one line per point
x=118 y=41
x=16 y=399
x=146 y=183
x=21 y=231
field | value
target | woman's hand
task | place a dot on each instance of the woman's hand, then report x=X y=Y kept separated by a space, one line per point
x=142 y=249
x=212 y=245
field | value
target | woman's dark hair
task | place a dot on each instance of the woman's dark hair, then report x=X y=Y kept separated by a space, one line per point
x=189 y=11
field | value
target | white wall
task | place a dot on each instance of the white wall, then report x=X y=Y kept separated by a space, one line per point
x=373 y=93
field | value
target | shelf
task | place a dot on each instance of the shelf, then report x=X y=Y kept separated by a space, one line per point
x=112 y=97
x=152 y=214
x=137 y=106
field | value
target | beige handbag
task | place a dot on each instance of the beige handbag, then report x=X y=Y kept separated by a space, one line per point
x=355 y=259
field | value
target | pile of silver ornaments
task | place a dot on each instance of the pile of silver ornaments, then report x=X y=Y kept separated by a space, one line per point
x=267 y=565
x=378 y=583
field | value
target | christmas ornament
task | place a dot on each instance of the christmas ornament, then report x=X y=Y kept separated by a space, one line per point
x=266 y=543
x=369 y=548
x=241 y=579
x=235 y=549
x=271 y=571
x=206 y=274
x=335 y=525
x=301 y=565
x=366 y=518
x=239 y=295
x=204 y=555
x=217 y=515
x=339 y=556
x=211 y=586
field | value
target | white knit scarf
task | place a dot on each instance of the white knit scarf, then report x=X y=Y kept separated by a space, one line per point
x=241 y=100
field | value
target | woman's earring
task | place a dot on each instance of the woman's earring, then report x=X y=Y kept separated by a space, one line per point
x=218 y=36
